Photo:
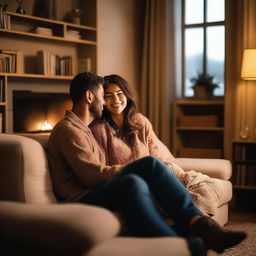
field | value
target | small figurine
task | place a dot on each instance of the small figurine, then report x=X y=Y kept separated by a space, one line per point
x=77 y=16
x=19 y=8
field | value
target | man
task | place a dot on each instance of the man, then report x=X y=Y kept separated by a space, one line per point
x=79 y=174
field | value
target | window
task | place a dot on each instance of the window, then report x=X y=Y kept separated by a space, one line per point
x=203 y=26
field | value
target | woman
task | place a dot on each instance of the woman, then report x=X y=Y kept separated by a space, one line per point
x=127 y=135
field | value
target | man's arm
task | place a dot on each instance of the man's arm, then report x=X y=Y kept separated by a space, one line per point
x=82 y=156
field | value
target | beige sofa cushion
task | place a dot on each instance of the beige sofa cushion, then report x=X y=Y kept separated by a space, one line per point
x=127 y=246
x=24 y=169
x=56 y=229
x=215 y=168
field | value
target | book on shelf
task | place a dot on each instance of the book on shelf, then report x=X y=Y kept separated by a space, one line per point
x=66 y=65
x=5 y=63
x=84 y=65
x=239 y=152
x=250 y=177
x=52 y=64
x=11 y=61
x=243 y=174
x=1 y=122
x=73 y=34
x=5 y=20
x=43 y=31
x=2 y=92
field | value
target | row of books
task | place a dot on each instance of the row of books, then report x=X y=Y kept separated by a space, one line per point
x=5 y=20
x=52 y=64
x=244 y=175
x=10 y=61
x=2 y=91
x=244 y=152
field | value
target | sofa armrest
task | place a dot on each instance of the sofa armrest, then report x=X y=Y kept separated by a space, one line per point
x=55 y=229
x=215 y=168
x=129 y=246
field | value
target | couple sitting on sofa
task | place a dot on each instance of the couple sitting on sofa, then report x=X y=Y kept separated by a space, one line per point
x=125 y=173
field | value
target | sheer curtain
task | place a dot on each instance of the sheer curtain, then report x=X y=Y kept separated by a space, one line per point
x=240 y=94
x=157 y=78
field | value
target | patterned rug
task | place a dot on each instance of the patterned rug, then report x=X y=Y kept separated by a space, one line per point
x=247 y=247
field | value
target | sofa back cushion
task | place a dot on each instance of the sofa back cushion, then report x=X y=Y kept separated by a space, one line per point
x=24 y=171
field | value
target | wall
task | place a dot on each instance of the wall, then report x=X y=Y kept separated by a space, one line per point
x=119 y=38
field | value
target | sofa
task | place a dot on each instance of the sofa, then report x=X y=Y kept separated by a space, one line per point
x=33 y=222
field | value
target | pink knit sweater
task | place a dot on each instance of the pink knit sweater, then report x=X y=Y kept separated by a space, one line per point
x=205 y=191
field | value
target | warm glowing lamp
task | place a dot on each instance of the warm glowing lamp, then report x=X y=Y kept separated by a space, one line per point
x=248 y=73
x=249 y=65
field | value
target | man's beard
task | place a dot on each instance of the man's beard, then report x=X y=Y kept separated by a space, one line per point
x=94 y=109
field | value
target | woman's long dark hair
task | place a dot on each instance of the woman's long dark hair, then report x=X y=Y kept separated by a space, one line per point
x=129 y=112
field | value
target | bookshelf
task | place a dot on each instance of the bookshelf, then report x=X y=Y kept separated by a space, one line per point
x=25 y=35
x=198 y=128
x=244 y=165
x=3 y=104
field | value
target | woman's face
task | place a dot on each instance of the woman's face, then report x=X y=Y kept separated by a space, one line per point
x=115 y=99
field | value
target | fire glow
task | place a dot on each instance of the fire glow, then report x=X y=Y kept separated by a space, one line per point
x=46 y=126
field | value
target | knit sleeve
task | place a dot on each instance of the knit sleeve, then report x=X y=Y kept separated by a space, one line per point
x=159 y=150
x=79 y=153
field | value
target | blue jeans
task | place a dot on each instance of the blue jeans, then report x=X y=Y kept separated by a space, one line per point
x=139 y=190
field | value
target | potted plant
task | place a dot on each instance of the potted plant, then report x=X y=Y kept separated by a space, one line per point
x=203 y=86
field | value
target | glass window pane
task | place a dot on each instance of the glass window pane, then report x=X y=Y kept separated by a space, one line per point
x=194 y=46
x=215 y=10
x=194 y=11
x=215 y=62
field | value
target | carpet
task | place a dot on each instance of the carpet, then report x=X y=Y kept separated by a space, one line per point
x=247 y=247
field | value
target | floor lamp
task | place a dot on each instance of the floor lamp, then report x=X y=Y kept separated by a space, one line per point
x=248 y=73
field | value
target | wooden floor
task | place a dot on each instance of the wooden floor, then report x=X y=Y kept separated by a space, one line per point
x=239 y=216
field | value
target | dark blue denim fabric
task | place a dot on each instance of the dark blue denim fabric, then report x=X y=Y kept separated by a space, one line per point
x=139 y=190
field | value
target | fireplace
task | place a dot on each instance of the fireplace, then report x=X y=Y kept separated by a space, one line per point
x=35 y=112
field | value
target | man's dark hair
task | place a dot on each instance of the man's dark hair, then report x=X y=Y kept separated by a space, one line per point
x=84 y=82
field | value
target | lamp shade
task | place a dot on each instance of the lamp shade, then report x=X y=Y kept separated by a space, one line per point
x=249 y=65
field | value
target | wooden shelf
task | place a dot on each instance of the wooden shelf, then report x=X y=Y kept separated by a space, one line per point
x=200 y=102
x=245 y=162
x=74 y=47
x=41 y=76
x=29 y=17
x=244 y=187
x=244 y=141
x=192 y=128
x=198 y=128
x=61 y=25
x=57 y=38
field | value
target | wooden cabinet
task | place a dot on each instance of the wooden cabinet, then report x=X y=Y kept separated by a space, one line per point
x=27 y=35
x=244 y=165
x=198 y=128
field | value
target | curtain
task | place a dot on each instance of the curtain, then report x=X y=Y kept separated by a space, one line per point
x=240 y=94
x=155 y=94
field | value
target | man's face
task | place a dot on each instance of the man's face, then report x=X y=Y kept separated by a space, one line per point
x=98 y=103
